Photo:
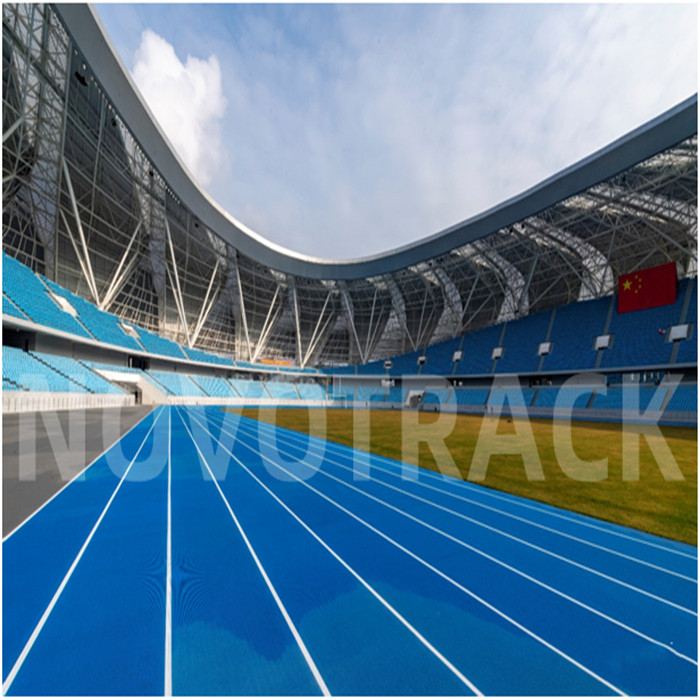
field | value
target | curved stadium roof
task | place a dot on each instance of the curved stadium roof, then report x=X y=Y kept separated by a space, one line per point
x=138 y=236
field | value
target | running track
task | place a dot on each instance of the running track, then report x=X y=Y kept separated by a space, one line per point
x=207 y=554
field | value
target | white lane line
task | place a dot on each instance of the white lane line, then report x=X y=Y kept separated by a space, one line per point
x=40 y=625
x=300 y=642
x=82 y=471
x=357 y=576
x=540 y=526
x=168 y=683
x=444 y=576
x=517 y=501
x=251 y=432
x=583 y=521
x=495 y=560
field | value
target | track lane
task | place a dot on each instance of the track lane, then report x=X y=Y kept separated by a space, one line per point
x=657 y=618
x=678 y=562
x=643 y=665
x=229 y=637
x=104 y=634
x=359 y=646
x=38 y=554
x=370 y=599
x=479 y=640
x=618 y=539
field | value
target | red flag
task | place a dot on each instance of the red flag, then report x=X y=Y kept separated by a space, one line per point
x=644 y=289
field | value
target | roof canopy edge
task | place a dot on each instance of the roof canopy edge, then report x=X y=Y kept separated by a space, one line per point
x=84 y=26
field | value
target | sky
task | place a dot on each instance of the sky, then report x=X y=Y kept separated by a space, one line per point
x=343 y=131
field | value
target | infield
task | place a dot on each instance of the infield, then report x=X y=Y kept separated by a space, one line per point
x=655 y=502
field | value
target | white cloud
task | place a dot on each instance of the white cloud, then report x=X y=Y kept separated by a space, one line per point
x=187 y=100
x=353 y=129
x=414 y=123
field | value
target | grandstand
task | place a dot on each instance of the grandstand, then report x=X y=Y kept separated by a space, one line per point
x=155 y=295
x=188 y=276
x=641 y=344
x=53 y=373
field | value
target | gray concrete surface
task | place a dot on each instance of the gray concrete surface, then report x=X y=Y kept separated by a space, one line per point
x=41 y=452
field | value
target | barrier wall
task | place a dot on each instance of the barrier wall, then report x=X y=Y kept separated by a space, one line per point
x=25 y=401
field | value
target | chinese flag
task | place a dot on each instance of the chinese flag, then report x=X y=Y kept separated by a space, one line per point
x=655 y=286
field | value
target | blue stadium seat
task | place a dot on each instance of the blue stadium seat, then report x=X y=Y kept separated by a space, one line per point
x=281 y=390
x=9 y=308
x=78 y=373
x=439 y=357
x=214 y=386
x=688 y=349
x=650 y=398
x=405 y=364
x=367 y=392
x=574 y=329
x=7 y=385
x=311 y=392
x=438 y=396
x=158 y=345
x=175 y=384
x=471 y=397
x=567 y=396
x=249 y=388
x=684 y=398
x=394 y=395
x=30 y=295
x=615 y=399
x=521 y=341
x=102 y=325
x=30 y=374
x=376 y=367
x=477 y=349
x=546 y=396
x=611 y=400
x=637 y=343
x=637 y=340
x=498 y=397
x=202 y=356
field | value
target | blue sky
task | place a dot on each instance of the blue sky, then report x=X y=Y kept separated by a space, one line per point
x=346 y=130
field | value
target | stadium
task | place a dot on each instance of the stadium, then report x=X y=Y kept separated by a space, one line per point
x=223 y=463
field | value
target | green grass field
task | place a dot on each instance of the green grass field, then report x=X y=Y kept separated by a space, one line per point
x=651 y=502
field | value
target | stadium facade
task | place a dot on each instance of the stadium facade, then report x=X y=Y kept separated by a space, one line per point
x=96 y=200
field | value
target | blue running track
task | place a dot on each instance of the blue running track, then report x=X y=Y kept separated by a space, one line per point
x=208 y=554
